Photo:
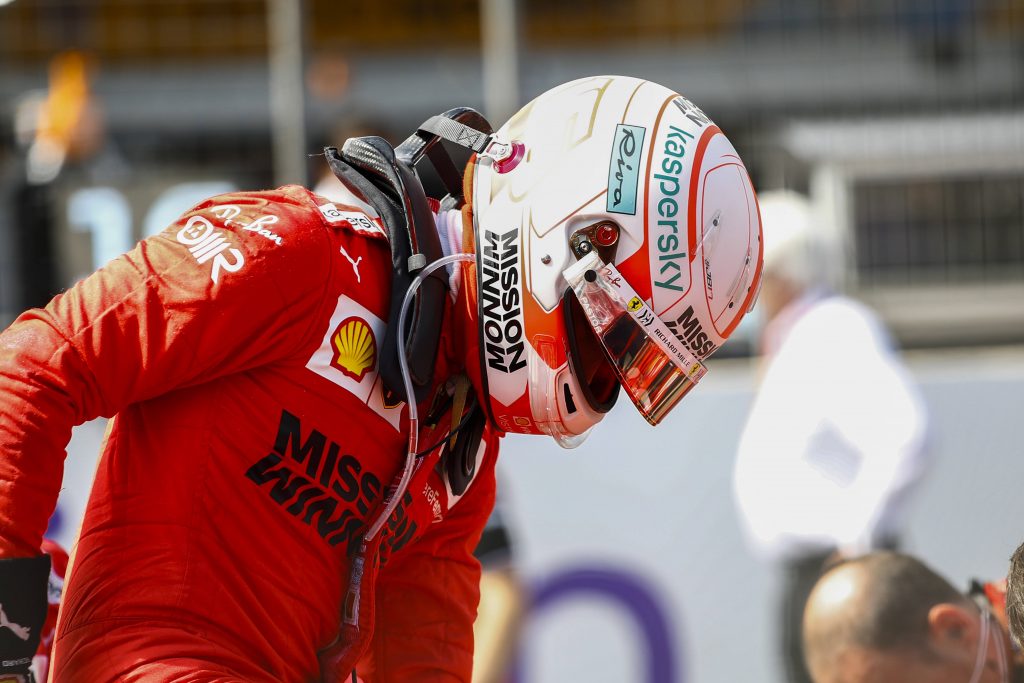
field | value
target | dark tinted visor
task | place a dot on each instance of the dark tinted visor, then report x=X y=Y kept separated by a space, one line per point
x=587 y=358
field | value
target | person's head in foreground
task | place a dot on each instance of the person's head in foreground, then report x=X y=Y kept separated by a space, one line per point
x=1015 y=595
x=887 y=617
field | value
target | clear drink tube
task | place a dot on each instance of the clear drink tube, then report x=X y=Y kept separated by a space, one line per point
x=414 y=419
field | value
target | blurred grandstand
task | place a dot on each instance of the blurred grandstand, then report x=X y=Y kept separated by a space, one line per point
x=903 y=119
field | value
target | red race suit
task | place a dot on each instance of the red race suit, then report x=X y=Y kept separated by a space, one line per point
x=251 y=447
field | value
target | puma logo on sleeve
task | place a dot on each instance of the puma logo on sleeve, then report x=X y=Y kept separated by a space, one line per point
x=18 y=630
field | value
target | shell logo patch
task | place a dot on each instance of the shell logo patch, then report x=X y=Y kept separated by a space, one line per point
x=355 y=348
x=347 y=358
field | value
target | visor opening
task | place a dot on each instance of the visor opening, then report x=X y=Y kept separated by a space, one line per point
x=587 y=360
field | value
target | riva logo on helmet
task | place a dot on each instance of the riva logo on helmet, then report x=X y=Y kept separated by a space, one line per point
x=688 y=329
x=624 y=168
x=499 y=292
x=669 y=242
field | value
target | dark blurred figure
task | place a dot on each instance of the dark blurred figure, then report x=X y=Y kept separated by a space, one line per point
x=889 y=618
x=59 y=132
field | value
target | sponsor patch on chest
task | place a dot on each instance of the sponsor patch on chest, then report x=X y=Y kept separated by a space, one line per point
x=323 y=484
x=348 y=356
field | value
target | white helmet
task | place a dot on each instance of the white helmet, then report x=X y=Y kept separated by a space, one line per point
x=620 y=245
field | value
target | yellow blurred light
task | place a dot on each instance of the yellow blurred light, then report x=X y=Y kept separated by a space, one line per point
x=66 y=99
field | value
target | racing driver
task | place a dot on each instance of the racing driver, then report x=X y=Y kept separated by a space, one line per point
x=307 y=395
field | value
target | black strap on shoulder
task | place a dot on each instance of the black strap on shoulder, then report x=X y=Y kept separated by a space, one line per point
x=450 y=129
x=386 y=178
x=463 y=126
x=392 y=187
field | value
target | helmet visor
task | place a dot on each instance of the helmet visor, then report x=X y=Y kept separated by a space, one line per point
x=587 y=358
x=649 y=361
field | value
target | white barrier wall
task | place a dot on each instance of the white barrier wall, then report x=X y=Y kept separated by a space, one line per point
x=633 y=544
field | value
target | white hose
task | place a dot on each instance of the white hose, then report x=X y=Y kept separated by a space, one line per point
x=989 y=631
x=979 y=662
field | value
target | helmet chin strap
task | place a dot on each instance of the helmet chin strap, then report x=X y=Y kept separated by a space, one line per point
x=414 y=420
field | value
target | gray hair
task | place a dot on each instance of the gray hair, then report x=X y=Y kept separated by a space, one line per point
x=1015 y=595
x=798 y=246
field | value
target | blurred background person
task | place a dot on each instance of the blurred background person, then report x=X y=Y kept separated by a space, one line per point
x=889 y=618
x=1015 y=595
x=835 y=439
x=60 y=142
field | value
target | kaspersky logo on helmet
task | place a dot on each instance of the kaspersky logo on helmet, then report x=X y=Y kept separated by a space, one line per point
x=500 y=304
x=676 y=159
x=673 y=270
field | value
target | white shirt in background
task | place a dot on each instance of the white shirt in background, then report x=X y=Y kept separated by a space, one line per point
x=835 y=437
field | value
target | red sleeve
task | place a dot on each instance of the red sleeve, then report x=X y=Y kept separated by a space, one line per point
x=428 y=596
x=203 y=299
